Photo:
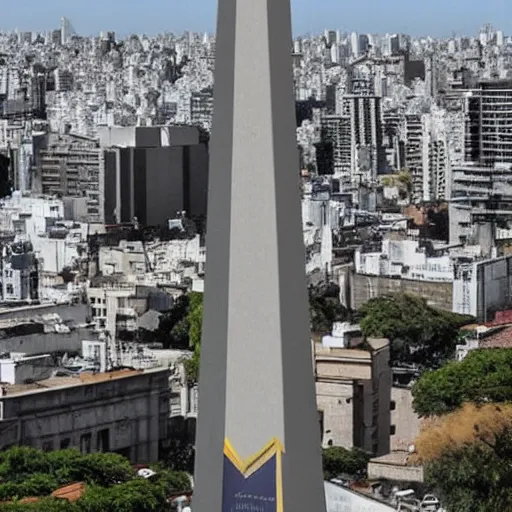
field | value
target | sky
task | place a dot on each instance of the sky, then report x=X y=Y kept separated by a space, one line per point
x=438 y=18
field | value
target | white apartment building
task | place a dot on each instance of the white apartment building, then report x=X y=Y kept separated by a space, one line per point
x=404 y=259
x=479 y=287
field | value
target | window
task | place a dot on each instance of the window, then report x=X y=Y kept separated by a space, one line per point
x=103 y=440
x=392 y=430
x=65 y=443
x=47 y=445
x=9 y=289
x=392 y=405
x=85 y=443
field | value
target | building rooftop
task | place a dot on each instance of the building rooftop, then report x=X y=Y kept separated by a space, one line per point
x=79 y=380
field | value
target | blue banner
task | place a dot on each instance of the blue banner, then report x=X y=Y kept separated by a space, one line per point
x=253 y=485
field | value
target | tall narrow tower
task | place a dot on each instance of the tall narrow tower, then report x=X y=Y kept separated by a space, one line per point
x=258 y=435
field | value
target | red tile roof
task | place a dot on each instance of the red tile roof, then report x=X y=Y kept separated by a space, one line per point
x=72 y=492
x=502 y=338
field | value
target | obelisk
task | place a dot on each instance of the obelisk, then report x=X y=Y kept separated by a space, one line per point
x=258 y=435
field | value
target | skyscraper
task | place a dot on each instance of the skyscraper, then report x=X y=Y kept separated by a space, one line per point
x=258 y=436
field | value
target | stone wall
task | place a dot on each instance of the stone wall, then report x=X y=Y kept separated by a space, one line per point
x=364 y=287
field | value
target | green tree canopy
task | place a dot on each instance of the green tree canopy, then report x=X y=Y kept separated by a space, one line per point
x=485 y=375
x=325 y=307
x=195 y=318
x=111 y=483
x=173 y=327
x=195 y=326
x=418 y=333
x=474 y=477
x=338 y=460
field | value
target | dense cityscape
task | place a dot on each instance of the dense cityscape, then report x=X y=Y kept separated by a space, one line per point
x=405 y=165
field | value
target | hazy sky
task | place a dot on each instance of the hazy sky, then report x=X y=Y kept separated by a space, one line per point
x=427 y=17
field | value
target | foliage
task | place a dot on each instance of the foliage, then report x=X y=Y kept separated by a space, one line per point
x=195 y=325
x=44 y=505
x=138 y=495
x=173 y=328
x=485 y=375
x=111 y=483
x=418 y=333
x=471 y=424
x=325 y=308
x=173 y=481
x=474 y=477
x=68 y=276
x=97 y=468
x=192 y=366
x=195 y=319
x=338 y=460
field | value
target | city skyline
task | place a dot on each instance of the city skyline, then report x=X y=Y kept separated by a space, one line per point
x=199 y=15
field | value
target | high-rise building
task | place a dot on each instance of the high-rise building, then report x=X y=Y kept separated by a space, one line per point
x=488 y=123
x=365 y=116
x=153 y=174
x=334 y=153
x=70 y=165
x=201 y=108
x=364 y=43
x=414 y=153
x=354 y=44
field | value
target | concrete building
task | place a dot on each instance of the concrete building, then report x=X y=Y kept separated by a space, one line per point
x=365 y=116
x=406 y=259
x=456 y=280
x=125 y=412
x=70 y=165
x=201 y=108
x=334 y=153
x=154 y=173
x=20 y=273
x=481 y=288
x=480 y=197
x=353 y=389
x=487 y=123
x=405 y=423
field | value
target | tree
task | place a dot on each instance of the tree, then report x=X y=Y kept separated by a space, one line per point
x=195 y=319
x=111 y=483
x=338 y=460
x=485 y=375
x=325 y=307
x=474 y=477
x=137 y=495
x=418 y=333
x=68 y=276
x=468 y=425
x=195 y=324
x=173 y=327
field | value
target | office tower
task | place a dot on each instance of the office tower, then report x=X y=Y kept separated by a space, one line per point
x=153 y=173
x=334 y=155
x=258 y=435
x=354 y=44
x=368 y=151
x=64 y=30
x=487 y=128
x=364 y=43
x=330 y=99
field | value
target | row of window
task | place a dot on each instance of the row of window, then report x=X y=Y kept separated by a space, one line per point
x=102 y=442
